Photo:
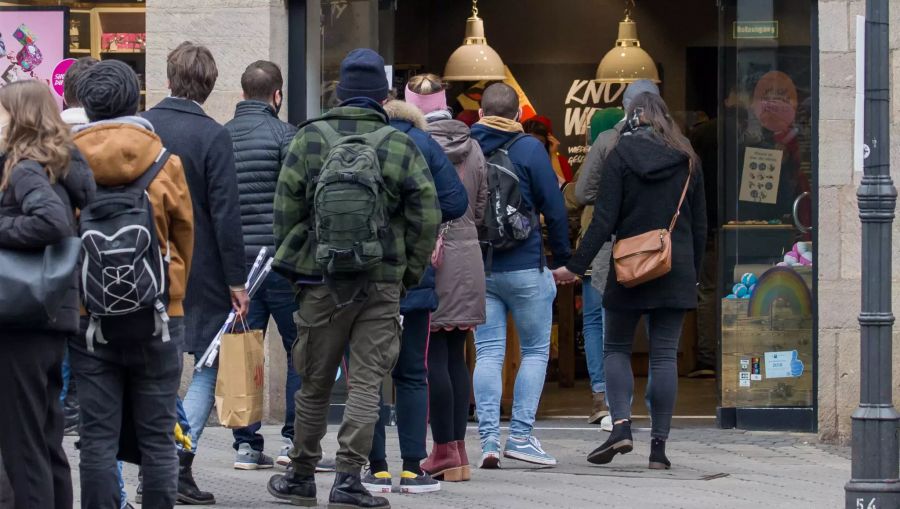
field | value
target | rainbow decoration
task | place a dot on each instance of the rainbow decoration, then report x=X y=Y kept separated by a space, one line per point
x=784 y=284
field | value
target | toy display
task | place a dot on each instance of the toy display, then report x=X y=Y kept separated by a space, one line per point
x=799 y=256
x=784 y=285
x=744 y=288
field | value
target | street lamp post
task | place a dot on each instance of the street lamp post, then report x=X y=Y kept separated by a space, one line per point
x=874 y=482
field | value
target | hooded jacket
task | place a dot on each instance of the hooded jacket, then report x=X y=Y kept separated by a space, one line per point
x=452 y=197
x=460 y=281
x=119 y=152
x=409 y=187
x=642 y=181
x=540 y=191
x=35 y=214
x=261 y=143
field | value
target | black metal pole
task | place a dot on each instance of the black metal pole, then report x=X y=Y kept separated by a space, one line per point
x=874 y=480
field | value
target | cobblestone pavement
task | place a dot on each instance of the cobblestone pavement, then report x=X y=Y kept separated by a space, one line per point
x=712 y=469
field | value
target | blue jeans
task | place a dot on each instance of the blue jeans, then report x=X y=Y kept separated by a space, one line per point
x=528 y=295
x=199 y=399
x=123 y=495
x=66 y=375
x=592 y=299
x=275 y=298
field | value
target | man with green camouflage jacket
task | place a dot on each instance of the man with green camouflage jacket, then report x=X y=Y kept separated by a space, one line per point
x=370 y=322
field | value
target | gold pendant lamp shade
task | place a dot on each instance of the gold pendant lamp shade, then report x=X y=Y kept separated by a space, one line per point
x=474 y=60
x=627 y=61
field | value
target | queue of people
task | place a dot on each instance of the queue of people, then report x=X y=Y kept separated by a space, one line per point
x=397 y=231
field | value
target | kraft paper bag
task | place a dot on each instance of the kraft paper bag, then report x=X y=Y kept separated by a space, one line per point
x=239 y=386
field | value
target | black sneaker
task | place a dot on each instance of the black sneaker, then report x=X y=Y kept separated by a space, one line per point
x=377 y=482
x=411 y=482
x=295 y=489
x=619 y=442
x=349 y=493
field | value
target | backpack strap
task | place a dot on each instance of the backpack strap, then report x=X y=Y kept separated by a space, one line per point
x=508 y=145
x=376 y=138
x=332 y=137
x=142 y=183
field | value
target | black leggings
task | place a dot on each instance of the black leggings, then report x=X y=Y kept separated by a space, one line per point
x=448 y=385
x=664 y=330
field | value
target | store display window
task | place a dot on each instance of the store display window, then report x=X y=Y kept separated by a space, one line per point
x=765 y=230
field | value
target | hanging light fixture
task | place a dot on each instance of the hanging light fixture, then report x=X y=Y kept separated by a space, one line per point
x=627 y=61
x=474 y=60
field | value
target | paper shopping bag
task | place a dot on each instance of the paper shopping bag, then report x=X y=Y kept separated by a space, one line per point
x=239 y=386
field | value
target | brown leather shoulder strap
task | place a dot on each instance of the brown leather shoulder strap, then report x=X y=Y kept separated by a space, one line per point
x=683 y=194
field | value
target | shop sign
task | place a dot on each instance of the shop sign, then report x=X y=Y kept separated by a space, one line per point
x=755 y=30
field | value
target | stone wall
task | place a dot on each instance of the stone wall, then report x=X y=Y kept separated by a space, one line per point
x=237 y=32
x=839 y=226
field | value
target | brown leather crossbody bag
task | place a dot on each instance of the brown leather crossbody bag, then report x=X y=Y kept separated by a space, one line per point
x=647 y=256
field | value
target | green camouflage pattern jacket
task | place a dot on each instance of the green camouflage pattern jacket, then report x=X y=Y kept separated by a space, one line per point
x=409 y=193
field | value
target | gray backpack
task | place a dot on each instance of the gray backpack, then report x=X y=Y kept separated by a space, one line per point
x=350 y=211
x=124 y=277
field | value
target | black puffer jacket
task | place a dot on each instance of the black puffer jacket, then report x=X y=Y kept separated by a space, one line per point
x=640 y=185
x=261 y=143
x=35 y=214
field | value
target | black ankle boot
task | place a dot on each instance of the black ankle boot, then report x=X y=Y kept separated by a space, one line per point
x=658 y=459
x=349 y=493
x=188 y=492
x=619 y=442
x=298 y=490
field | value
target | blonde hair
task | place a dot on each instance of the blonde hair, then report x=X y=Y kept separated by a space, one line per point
x=426 y=84
x=35 y=132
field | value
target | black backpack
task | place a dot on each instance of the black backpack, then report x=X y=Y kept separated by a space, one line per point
x=507 y=220
x=124 y=276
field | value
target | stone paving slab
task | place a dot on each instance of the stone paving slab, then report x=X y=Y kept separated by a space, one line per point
x=712 y=469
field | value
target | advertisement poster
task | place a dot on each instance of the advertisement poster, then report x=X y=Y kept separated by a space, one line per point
x=761 y=176
x=569 y=96
x=32 y=44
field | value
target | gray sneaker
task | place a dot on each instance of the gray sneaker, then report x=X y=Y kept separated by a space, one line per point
x=248 y=459
x=283 y=460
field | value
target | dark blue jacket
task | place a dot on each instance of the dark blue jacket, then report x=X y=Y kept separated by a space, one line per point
x=261 y=142
x=452 y=197
x=540 y=191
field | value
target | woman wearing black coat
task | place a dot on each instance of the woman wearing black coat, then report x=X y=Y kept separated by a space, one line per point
x=641 y=184
x=43 y=179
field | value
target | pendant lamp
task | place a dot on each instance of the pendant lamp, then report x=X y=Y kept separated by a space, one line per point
x=474 y=60
x=627 y=61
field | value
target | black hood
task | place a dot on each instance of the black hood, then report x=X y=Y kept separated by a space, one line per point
x=647 y=156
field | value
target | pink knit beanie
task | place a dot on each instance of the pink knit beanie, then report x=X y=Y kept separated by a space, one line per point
x=427 y=103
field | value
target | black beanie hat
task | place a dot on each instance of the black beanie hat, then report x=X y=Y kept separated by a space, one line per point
x=109 y=90
x=362 y=75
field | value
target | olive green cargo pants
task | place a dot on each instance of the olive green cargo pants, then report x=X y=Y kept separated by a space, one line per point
x=371 y=330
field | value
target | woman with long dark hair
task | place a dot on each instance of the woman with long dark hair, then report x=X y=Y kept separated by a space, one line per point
x=43 y=179
x=641 y=187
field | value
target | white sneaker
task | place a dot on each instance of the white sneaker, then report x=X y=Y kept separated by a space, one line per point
x=606 y=424
x=283 y=459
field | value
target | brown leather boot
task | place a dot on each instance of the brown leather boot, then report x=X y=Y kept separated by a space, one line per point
x=443 y=463
x=464 y=460
x=598 y=408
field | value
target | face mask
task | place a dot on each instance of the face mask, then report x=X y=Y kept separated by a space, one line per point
x=2 y=128
x=277 y=105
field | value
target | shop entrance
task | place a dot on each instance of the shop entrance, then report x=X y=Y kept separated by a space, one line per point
x=737 y=77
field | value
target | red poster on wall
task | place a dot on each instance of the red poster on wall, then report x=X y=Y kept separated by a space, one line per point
x=32 y=44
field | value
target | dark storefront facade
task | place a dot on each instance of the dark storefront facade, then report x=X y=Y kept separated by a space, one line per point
x=739 y=75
